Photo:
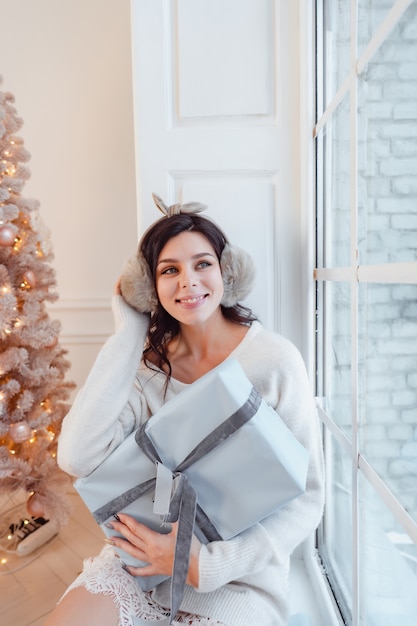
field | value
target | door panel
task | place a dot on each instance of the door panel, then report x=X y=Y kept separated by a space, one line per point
x=208 y=124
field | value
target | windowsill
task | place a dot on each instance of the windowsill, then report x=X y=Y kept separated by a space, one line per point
x=309 y=594
x=302 y=599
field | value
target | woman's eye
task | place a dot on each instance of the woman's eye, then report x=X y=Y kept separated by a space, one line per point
x=169 y=270
x=203 y=264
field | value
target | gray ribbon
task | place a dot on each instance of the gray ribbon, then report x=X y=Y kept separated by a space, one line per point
x=184 y=506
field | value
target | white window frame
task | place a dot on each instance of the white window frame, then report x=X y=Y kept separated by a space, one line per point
x=353 y=274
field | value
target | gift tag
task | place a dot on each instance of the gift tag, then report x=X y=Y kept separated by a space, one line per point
x=163 y=490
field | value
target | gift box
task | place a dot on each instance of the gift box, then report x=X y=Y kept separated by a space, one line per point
x=253 y=472
x=116 y=480
x=218 y=435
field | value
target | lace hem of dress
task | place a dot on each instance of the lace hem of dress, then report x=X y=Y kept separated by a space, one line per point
x=105 y=574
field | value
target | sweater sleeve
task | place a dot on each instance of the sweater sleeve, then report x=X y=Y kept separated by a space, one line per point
x=100 y=417
x=274 y=538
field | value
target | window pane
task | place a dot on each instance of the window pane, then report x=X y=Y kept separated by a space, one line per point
x=387 y=158
x=388 y=565
x=371 y=13
x=335 y=228
x=388 y=386
x=336 y=45
x=337 y=384
x=337 y=548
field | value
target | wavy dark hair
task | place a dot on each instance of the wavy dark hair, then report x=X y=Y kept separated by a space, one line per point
x=163 y=327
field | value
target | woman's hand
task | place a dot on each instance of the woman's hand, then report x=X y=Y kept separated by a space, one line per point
x=154 y=548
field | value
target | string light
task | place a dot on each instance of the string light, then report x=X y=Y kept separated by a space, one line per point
x=50 y=434
x=46 y=406
x=17 y=244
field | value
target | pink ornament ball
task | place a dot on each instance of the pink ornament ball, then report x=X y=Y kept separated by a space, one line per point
x=53 y=342
x=7 y=235
x=30 y=278
x=20 y=432
x=34 y=506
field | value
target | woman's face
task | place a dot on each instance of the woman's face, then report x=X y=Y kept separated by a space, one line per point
x=188 y=278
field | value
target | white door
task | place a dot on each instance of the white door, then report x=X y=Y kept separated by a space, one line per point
x=216 y=117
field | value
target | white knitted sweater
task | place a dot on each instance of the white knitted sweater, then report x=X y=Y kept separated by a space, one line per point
x=243 y=581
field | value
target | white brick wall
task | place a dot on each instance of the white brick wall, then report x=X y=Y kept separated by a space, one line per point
x=387 y=199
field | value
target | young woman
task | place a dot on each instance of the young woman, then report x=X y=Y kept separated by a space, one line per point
x=182 y=320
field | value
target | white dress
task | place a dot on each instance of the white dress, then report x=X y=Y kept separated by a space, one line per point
x=105 y=574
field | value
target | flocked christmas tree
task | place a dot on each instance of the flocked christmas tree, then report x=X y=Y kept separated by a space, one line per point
x=33 y=390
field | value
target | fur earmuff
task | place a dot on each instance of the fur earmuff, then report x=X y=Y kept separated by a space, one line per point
x=137 y=286
x=238 y=271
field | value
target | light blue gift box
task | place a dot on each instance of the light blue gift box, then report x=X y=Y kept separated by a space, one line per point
x=252 y=473
x=238 y=456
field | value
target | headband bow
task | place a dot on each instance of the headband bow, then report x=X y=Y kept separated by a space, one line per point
x=175 y=209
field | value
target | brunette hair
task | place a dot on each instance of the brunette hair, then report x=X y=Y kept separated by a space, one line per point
x=163 y=327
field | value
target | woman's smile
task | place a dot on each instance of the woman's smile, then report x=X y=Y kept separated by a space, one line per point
x=192 y=300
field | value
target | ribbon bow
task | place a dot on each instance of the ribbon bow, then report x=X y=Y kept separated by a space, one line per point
x=177 y=208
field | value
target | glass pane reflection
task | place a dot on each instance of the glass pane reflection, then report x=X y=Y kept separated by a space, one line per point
x=387 y=148
x=337 y=549
x=371 y=14
x=388 y=386
x=336 y=45
x=338 y=355
x=388 y=565
x=336 y=189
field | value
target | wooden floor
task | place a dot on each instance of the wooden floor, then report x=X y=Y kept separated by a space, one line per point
x=29 y=593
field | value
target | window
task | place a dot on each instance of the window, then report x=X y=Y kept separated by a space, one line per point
x=366 y=272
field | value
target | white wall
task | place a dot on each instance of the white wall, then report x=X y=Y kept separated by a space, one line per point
x=68 y=64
